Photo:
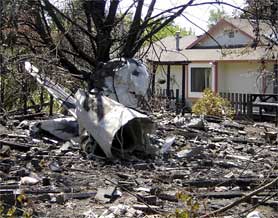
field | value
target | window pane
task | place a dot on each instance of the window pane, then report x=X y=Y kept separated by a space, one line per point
x=200 y=79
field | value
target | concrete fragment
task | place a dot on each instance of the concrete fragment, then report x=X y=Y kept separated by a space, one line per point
x=270 y=136
x=27 y=180
x=120 y=211
x=145 y=208
x=55 y=167
x=149 y=199
x=142 y=189
x=141 y=166
x=106 y=195
x=196 y=123
x=254 y=214
x=190 y=153
x=179 y=121
x=232 y=124
x=64 y=148
x=90 y=214
x=5 y=151
x=167 y=144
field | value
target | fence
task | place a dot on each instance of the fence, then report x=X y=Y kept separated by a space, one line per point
x=241 y=102
x=170 y=101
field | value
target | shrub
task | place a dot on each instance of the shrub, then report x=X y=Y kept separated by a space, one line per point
x=212 y=104
x=189 y=206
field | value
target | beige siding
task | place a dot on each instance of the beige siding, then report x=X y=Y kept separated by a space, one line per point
x=241 y=77
x=224 y=40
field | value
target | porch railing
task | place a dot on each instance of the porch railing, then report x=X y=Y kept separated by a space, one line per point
x=241 y=102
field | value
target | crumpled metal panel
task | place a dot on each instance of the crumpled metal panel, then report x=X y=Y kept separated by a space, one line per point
x=103 y=118
x=64 y=128
x=115 y=128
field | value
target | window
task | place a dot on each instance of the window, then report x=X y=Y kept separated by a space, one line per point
x=201 y=76
x=200 y=79
x=231 y=34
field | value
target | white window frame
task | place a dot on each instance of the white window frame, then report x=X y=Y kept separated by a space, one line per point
x=200 y=65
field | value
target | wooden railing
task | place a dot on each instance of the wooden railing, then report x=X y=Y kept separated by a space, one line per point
x=239 y=101
x=254 y=106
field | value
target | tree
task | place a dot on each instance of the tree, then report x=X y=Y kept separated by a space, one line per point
x=170 y=30
x=215 y=16
x=263 y=14
x=83 y=34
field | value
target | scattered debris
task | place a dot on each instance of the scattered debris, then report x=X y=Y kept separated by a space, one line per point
x=216 y=163
x=64 y=128
x=167 y=144
x=27 y=180
x=254 y=214
x=105 y=195
x=227 y=167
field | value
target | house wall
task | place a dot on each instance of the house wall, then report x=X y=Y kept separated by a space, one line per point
x=238 y=77
x=242 y=77
x=222 y=37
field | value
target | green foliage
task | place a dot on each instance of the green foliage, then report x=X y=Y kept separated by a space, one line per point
x=190 y=206
x=215 y=16
x=212 y=104
x=11 y=211
x=21 y=208
x=170 y=30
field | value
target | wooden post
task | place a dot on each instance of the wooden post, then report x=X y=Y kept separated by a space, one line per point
x=2 y=92
x=244 y=103
x=236 y=102
x=183 y=89
x=153 y=79
x=232 y=100
x=168 y=94
x=51 y=105
x=24 y=89
x=41 y=98
x=249 y=106
x=240 y=104
x=177 y=101
x=275 y=86
x=25 y=97
x=229 y=97
x=275 y=98
x=216 y=76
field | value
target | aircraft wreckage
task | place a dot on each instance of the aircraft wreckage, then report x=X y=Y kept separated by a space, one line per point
x=109 y=122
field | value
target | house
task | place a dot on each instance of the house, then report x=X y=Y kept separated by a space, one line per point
x=230 y=57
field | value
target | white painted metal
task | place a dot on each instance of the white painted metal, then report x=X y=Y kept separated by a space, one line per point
x=103 y=125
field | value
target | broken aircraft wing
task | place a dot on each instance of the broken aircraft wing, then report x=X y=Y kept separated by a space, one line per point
x=57 y=91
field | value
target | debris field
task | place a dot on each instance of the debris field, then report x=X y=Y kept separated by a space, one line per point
x=194 y=164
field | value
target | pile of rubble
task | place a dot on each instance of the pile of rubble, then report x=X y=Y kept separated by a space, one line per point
x=193 y=165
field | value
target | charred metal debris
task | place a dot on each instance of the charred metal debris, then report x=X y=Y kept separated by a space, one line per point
x=205 y=165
